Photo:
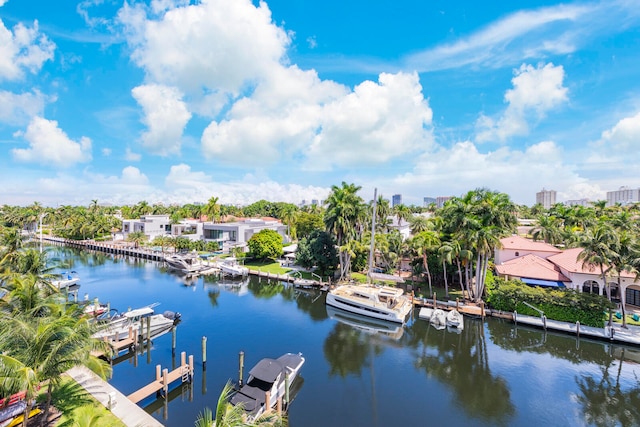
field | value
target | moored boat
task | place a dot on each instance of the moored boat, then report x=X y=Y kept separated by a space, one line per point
x=455 y=319
x=66 y=280
x=230 y=267
x=268 y=375
x=438 y=319
x=380 y=302
x=118 y=327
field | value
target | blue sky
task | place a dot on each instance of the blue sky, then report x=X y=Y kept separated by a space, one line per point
x=175 y=101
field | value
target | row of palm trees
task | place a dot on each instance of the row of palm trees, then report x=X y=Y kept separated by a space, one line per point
x=41 y=336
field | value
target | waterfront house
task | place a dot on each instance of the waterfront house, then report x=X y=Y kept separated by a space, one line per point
x=541 y=264
x=150 y=225
x=230 y=235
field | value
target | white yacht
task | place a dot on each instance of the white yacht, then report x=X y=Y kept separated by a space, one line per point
x=268 y=375
x=380 y=302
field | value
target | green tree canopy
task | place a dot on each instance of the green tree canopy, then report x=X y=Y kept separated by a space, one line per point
x=267 y=244
x=318 y=250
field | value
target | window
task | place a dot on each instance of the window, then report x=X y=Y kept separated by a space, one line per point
x=633 y=296
x=590 y=287
x=213 y=234
x=517 y=253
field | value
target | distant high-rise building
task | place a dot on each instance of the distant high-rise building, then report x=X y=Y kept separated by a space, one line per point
x=546 y=198
x=440 y=201
x=314 y=201
x=396 y=200
x=623 y=196
x=428 y=200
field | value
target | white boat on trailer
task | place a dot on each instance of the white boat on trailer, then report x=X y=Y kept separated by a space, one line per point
x=380 y=302
x=268 y=375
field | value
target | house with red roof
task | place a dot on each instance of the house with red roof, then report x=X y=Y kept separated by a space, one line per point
x=541 y=264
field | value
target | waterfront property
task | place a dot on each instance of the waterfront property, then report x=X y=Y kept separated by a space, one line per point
x=227 y=235
x=541 y=264
x=357 y=374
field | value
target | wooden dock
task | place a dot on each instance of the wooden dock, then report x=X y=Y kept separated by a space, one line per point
x=184 y=372
x=464 y=308
x=118 y=345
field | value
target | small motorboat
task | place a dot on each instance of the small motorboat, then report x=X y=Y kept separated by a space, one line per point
x=455 y=319
x=269 y=375
x=117 y=327
x=66 y=280
x=425 y=313
x=438 y=319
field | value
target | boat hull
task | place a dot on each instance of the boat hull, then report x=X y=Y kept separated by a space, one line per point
x=377 y=312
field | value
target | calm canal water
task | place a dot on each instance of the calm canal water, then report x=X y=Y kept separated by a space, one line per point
x=356 y=374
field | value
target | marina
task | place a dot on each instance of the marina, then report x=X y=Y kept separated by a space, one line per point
x=357 y=373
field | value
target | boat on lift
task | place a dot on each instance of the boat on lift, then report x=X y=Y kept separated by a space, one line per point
x=117 y=327
x=268 y=375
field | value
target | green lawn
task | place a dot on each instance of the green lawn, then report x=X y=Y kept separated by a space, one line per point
x=266 y=266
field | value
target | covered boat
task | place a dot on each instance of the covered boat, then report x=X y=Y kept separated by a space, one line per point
x=455 y=319
x=268 y=375
x=438 y=319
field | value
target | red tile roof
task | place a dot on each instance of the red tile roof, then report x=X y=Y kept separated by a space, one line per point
x=568 y=260
x=520 y=243
x=533 y=267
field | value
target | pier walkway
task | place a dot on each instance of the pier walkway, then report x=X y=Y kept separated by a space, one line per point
x=129 y=413
x=184 y=372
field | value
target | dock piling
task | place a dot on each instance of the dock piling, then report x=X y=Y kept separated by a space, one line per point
x=240 y=367
x=204 y=352
x=173 y=340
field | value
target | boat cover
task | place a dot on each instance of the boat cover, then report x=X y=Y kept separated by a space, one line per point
x=12 y=411
x=267 y=370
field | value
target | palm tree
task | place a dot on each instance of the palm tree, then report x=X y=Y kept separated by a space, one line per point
x=445 y=252
x=137 y=237
x=212 y=209
x=547 y=228
x=38 y=350
x=418 y=224
x=228 y=415
x=600 y=245
x=344 y=219
x=423 y=244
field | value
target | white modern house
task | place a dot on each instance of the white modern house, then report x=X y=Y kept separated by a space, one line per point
x=230 y=235
x=150 y=225
x=541 y=264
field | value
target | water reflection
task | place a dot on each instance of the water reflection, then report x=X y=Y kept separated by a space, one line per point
x=351 y=345
x=460 y=360
x=492 y=373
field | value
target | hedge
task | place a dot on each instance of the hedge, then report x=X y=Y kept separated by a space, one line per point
x=565 y=305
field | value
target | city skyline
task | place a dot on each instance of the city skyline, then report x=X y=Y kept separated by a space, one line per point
x=176 y=101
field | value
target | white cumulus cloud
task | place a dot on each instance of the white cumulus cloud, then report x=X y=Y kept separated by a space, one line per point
x=50 y=145
x=23 y=48
x=215 y=44
x=18 y=109
x=166 y=115
x=536 y=90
